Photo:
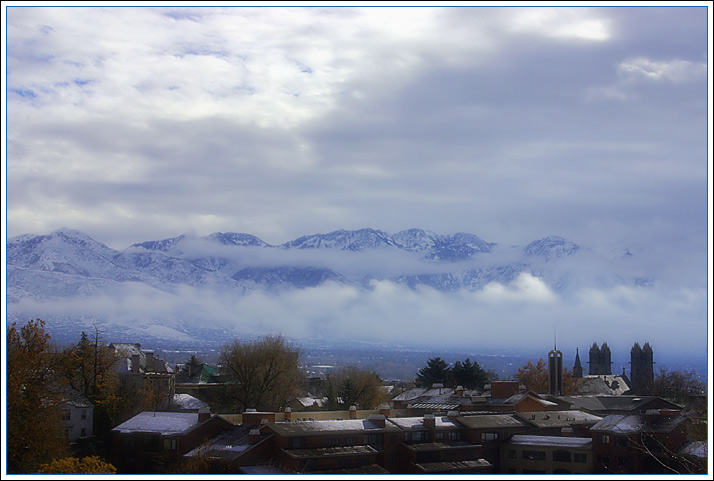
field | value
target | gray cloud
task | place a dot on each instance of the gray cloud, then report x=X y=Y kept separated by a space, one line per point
x=512 y=123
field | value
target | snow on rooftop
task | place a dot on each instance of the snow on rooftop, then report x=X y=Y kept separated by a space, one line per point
x=326 y=425
x=186 y=401
x=557 y=441
x=159 y=422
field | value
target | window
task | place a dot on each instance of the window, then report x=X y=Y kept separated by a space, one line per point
x=296 y=442
x=561 y=456
x=603 y=439
x=454 y=435
x=489 y=437
x=83 y=433
x=349 y=441
x=580 y=457
x=533 y=455
x=439 y=436
x=169 y=444
x=375 y=440
x=153 y=444
x=416 y=436
x=511 y=454
x=330 y=442
x=84 y=414
x=66 y=415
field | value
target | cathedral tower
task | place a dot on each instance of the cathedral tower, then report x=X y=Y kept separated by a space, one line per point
x=641 y=368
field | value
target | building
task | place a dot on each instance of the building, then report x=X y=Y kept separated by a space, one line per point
x=142 y=373
x=577 y=367
x=600 y=359
x=555 y=373
x=150 y=440
x=625 y=404
x=527 y=454
x=77 y=415
x=646 y=443
x=641 y=368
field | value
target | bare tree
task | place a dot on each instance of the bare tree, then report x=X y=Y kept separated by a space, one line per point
x=265 y=372
x=352 y=386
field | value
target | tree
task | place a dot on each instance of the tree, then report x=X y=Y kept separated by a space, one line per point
x=88 y=368
x=88 y=465
x=535 y=378
x=265 y=372
x=681 y=387
x=469 y=375
x=435 y=371
x=33 y=414
x=352 y=386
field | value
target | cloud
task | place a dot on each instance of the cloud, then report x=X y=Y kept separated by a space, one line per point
x=675 y=71
x=518 y=315
x=562 y=23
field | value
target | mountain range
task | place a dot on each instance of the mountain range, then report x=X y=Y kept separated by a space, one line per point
x=69 y=268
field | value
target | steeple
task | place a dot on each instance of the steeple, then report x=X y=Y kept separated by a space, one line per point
x=578 y=367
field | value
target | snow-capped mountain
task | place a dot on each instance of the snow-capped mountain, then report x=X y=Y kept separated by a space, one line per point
x=67 y=265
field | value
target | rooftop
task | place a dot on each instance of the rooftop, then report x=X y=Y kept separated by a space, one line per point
x=442 y=422
x=552 y=419
x=446 y=466
x=289 y=428
x=159 y=422
x=491 y=421
x=330 y=452
x=554 y=441
x=422 y=447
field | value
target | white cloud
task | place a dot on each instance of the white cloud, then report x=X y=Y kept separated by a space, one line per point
x=674 y=71
x=562 y=23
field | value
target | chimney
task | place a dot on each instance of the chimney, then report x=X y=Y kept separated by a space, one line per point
x=254 y=436
x=429 y=421
x=460 y=391
x=353 y=412
x=378 y=420
x=135 y=363
x=288 y=413
x=452 y=414
x=204 y=414
x=149 y=355
x=385 y=409
x=503 y=389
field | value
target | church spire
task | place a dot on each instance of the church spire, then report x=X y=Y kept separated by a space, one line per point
x=578 y=367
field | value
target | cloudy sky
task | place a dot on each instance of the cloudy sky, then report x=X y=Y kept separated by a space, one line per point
x=135 y=124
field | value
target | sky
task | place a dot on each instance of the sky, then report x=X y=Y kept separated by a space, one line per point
x=513 y=123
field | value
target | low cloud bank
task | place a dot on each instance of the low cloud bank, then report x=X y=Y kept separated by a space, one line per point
x=522 y=314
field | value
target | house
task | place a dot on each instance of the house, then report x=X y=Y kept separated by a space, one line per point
x=77 y=415
x=150 y=440
x=646 y=443
x=528 y=454
x=141 y=372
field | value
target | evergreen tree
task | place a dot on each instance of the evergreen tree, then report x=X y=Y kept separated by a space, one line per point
x=469 y=375
x=435 y=371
